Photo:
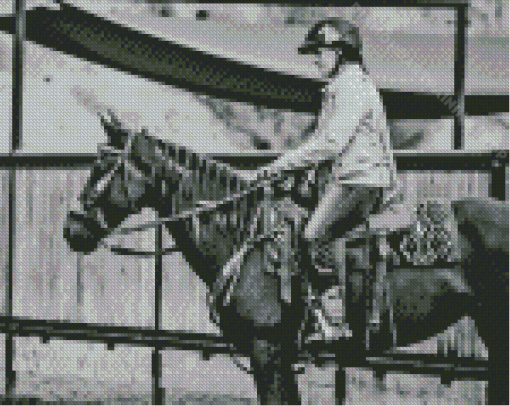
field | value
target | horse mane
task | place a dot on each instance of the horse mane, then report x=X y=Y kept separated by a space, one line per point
x=195 y=178
x=218 y=175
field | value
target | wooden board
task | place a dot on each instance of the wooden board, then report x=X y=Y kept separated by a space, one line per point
x=46 y=271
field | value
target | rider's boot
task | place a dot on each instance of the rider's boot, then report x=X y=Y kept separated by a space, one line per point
x=327 y=321
x=327 y=309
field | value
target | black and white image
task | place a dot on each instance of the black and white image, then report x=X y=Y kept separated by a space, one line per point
x=254 y=203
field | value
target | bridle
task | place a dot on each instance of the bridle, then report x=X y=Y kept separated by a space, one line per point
x=200 y=207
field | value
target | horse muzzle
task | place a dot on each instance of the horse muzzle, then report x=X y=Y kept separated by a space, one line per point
x=82 y=232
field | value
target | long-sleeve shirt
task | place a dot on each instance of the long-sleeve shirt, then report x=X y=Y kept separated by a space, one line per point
x=352 y=132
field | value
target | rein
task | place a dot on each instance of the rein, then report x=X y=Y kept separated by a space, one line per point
x=204 y=206
x=201 y=207
x=223 y=287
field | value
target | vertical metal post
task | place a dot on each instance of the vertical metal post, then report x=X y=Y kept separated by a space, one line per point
x=340 y=371
x=79 y=286
x=10 y=374
x=368 y=289
x=158 y=279
x=158 y=397
x=17 y=93
x=389 y=303
x=497 y=185
x=17 y=76
x=340 y=382
x=459 y=76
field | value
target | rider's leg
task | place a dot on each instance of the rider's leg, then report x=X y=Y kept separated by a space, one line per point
x=351 y=208
x=339 y=213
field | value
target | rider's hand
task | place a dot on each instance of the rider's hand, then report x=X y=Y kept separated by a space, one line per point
x=266 y=174
x=267 y=178
x=262 y=176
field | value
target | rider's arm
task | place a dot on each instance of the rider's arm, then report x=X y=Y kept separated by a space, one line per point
x=348 y=116
x=337 y=126
x=315 y=150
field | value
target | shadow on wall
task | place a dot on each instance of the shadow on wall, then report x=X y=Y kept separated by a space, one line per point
x=267 y=129
x=280 y=130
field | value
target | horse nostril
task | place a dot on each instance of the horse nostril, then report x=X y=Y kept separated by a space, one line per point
x=82 y=233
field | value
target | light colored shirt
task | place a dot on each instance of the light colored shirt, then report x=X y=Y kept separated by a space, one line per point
x=352 y=132
x=353 y=123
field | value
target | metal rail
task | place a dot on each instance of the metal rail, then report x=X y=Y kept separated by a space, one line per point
x=208 y=344
x=494 y=162
x=211 y=344
x=405 y=159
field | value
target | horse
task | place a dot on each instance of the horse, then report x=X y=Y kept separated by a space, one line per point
x=484 y=224
x=134 y=171
x=256 y=311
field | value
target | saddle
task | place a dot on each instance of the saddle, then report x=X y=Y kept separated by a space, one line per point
x=274 y=230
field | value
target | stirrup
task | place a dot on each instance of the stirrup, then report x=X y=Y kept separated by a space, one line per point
x=326 y=331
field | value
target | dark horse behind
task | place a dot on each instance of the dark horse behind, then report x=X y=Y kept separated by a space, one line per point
x=261 y=318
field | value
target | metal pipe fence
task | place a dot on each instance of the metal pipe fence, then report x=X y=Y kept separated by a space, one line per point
x=446 y=365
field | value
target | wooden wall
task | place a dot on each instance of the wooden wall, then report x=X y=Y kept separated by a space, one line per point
x=119 y=289
x=113 y=289
x=62 y=95
x=52 y=282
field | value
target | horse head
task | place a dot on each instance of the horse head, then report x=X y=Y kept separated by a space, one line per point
x=122 y=182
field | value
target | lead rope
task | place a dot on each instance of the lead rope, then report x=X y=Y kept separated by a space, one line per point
x=225 y=281
x=207 y=207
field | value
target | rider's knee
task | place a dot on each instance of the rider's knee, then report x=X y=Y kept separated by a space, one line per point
x=311 y=233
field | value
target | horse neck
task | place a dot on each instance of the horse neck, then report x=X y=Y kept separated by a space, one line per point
x=206 y=241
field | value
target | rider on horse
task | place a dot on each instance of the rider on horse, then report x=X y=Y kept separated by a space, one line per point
x=352 y=136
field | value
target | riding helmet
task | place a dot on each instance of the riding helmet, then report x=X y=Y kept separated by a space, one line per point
x=333 y=33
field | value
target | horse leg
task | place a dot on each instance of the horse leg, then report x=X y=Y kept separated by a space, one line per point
x=492 y=324
x=274 y=377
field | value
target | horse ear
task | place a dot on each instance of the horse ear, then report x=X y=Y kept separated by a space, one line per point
x=116 y=135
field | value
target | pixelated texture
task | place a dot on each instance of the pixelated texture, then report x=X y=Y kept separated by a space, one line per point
x=448 y=216
x=80 y=85
x=430 y=241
